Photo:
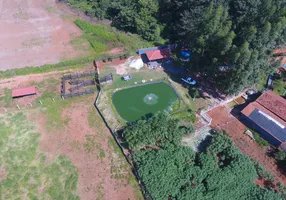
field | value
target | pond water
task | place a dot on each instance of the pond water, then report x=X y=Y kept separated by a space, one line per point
x=141 y=101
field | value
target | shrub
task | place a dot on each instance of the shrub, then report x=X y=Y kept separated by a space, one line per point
x=187 y=115
x=262 y=173
x=259 y=140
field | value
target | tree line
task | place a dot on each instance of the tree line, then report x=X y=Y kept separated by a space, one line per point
x=172 y=171
x=237 y=36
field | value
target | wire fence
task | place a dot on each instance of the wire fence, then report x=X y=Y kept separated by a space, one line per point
x=145 y=193
x=76 y=84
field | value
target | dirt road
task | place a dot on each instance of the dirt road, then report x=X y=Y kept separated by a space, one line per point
x=33 y=33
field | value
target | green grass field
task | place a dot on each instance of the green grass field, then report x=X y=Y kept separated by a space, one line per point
x=25 y=171
x=27 y=175
x=103 y=38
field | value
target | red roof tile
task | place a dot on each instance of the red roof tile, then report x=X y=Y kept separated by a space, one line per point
x=274 y=103
x=277 y=51
x=158 y=54
x=19 y=92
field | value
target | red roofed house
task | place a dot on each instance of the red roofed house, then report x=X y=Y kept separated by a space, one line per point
x=155 y=57
x=267 y=116
x=20 y=92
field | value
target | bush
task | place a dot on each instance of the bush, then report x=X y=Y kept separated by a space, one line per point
x=262 y=173
x=187 y=115
x=259 y=140
x=280 y=155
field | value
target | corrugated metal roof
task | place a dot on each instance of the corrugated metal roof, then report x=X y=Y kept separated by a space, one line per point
x=265 y=119
x=19 y=92
x=269 y=124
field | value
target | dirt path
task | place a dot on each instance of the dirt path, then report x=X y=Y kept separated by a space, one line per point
x=223 y=120
x=33 y=34
x=90 y=151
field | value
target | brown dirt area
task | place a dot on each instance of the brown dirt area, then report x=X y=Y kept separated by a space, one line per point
x=120 y=65
x=94 y=171
x=103 y=172
x=33 y=33
x=223 y=120
x=2 y=174
x=35 y=79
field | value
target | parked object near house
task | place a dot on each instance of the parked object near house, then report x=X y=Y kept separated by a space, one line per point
x=250 y=134
x=269 y=82
x=185 y=55
x=250 y=92
x=21 y=92
x=127 y=78
x=189 y=80
x=267 y=116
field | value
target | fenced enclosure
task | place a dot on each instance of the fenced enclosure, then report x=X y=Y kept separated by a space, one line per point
x=106 y=79
x=76 y=83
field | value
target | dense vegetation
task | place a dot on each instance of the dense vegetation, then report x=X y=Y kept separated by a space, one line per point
x=103 y=38
x=171 y=170
x=239 y=34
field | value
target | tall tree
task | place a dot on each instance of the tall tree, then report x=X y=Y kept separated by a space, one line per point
x=220 y=172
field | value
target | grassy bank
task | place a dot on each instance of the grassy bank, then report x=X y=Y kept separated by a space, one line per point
x=104 y=37
x=64 y=65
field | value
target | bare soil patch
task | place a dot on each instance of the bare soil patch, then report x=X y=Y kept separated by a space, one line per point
x=33 y=33
x=117 y=50
x=121 y=66
x=103 y=173
x=223 y=120
x=41 y=81
x=2 y=174
x=89 y=150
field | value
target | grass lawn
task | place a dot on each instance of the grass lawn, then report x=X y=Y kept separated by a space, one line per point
x=26 y=175
x=104 y=37
x=64 y=65
x=26 y=172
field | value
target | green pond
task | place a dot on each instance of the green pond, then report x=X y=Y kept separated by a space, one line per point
x=137 y=102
